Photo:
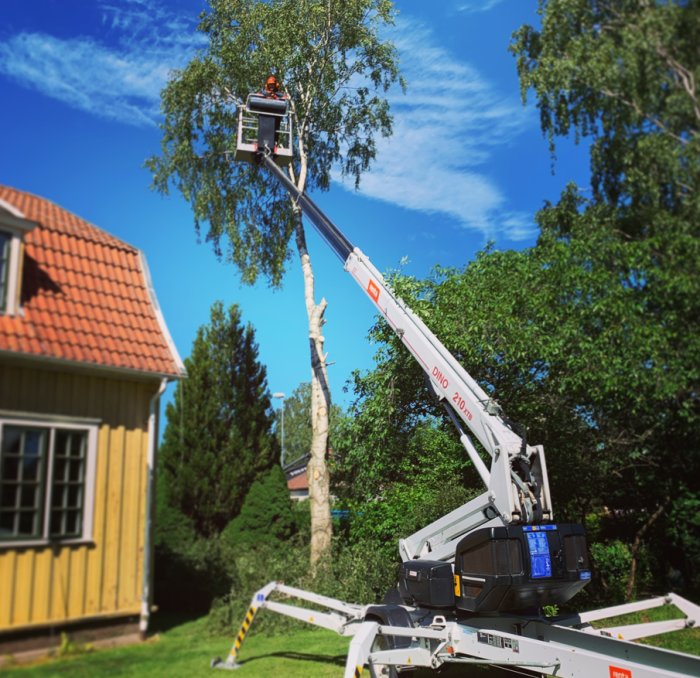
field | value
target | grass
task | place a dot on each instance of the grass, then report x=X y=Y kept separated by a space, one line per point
x=185 y=650
x=687 y=640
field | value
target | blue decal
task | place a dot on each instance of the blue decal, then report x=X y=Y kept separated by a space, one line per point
x=260 y=597
x=540 y=560
x=584 y=574
x=539 y=528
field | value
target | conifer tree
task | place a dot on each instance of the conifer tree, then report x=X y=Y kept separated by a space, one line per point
x=219 y=427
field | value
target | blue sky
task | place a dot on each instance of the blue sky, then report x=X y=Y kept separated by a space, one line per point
x=79 y=86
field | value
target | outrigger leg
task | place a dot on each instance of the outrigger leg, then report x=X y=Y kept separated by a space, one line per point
x=360 y=649
x=258 y=599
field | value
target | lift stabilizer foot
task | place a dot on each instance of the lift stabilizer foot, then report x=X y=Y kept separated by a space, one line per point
x=218 y=663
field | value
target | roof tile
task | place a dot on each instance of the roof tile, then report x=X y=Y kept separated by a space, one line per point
x=85 y=296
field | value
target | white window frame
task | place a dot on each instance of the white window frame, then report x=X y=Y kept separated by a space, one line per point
x=13 y=223
x=91 y=426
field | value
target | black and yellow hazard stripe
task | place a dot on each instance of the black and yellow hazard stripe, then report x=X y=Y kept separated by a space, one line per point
x=358 y=671
x=244 y=629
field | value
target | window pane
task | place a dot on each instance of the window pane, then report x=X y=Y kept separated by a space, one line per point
x=56 y=523
x=27 y=524
x=33 y=443
x=8 y=495
x=75 y=471
x=30 y=496
x=62 y=443
x=7 y=521
x=10 y=468
x=75 y=494
x=22 y=460
x=74 y=522
x=59 y=469
x=11 y=440
x=77 y=447
x=58 y=496
x=31 y=466
x=68 y=483
x=5 y=240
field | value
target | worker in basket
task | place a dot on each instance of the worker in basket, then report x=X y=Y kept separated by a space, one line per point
x=272 y=89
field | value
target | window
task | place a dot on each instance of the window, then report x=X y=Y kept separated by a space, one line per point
x=5 y=244
x=13 y=227
x=46 y=472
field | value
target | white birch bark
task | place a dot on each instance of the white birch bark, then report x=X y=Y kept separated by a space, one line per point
x=317 y=468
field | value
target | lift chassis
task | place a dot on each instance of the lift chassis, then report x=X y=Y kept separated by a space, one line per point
x=473 y=583
x=388 y=638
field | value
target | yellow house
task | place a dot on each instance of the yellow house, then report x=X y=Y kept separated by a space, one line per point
x=84 y=357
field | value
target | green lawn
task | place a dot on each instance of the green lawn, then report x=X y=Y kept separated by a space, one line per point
x=687 y=640
x=185 y=650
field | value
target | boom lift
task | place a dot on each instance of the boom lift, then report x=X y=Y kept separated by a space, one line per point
x=472 y=583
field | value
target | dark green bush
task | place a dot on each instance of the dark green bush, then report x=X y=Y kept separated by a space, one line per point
x=266 y=514
x=362 y=565
x=189 y=571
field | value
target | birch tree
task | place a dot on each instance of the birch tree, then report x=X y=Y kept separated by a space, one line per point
x=335 y=68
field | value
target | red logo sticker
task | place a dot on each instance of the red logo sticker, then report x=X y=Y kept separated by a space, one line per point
x=616 y=672
x=373 y=291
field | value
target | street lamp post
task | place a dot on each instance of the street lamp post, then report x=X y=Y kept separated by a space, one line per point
x=280 y=395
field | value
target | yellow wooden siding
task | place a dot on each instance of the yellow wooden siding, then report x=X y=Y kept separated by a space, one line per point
x=54 y=584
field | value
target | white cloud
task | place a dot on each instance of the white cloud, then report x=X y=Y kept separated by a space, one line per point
x=445 y=130
x=477 y=5
x=119 y=81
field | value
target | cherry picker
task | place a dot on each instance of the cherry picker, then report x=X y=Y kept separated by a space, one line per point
x=471 y=584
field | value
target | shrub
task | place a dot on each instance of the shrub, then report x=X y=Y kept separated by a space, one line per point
x=266 y=513
x=189 y=572
x=611 y=564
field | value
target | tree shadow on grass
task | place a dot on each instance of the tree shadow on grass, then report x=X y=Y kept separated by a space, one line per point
x=337 y=660
x=445 y=672
x=163 y=621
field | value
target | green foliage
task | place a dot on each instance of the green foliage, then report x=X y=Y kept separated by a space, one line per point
x=568 y=350
x=219 y=427
x=683 y=535
x=249 y=567
x=379 y=446
x=190 y=571
x=357 y=572
x=611 y=562
x=361 y=567
x=297 y=424
x=334 y=68
x=629 y=257
x=403 y=509
x=622 y=72
x=266 y=514
x=590 y=339
x=69 y=648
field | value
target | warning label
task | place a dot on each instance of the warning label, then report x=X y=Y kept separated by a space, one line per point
x=499 y=641
x=616 y=672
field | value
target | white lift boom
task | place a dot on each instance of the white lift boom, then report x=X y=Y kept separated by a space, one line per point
x=473 y=582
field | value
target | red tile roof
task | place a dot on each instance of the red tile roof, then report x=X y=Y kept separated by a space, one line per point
x=298 y=482
x=85 y=296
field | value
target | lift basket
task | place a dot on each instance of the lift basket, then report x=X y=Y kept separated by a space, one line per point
x=264 y=121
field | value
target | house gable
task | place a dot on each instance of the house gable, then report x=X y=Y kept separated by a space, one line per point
x=85 y=295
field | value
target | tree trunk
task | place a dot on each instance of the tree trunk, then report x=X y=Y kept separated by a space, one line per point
x=632 y=579
x=317 y=469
